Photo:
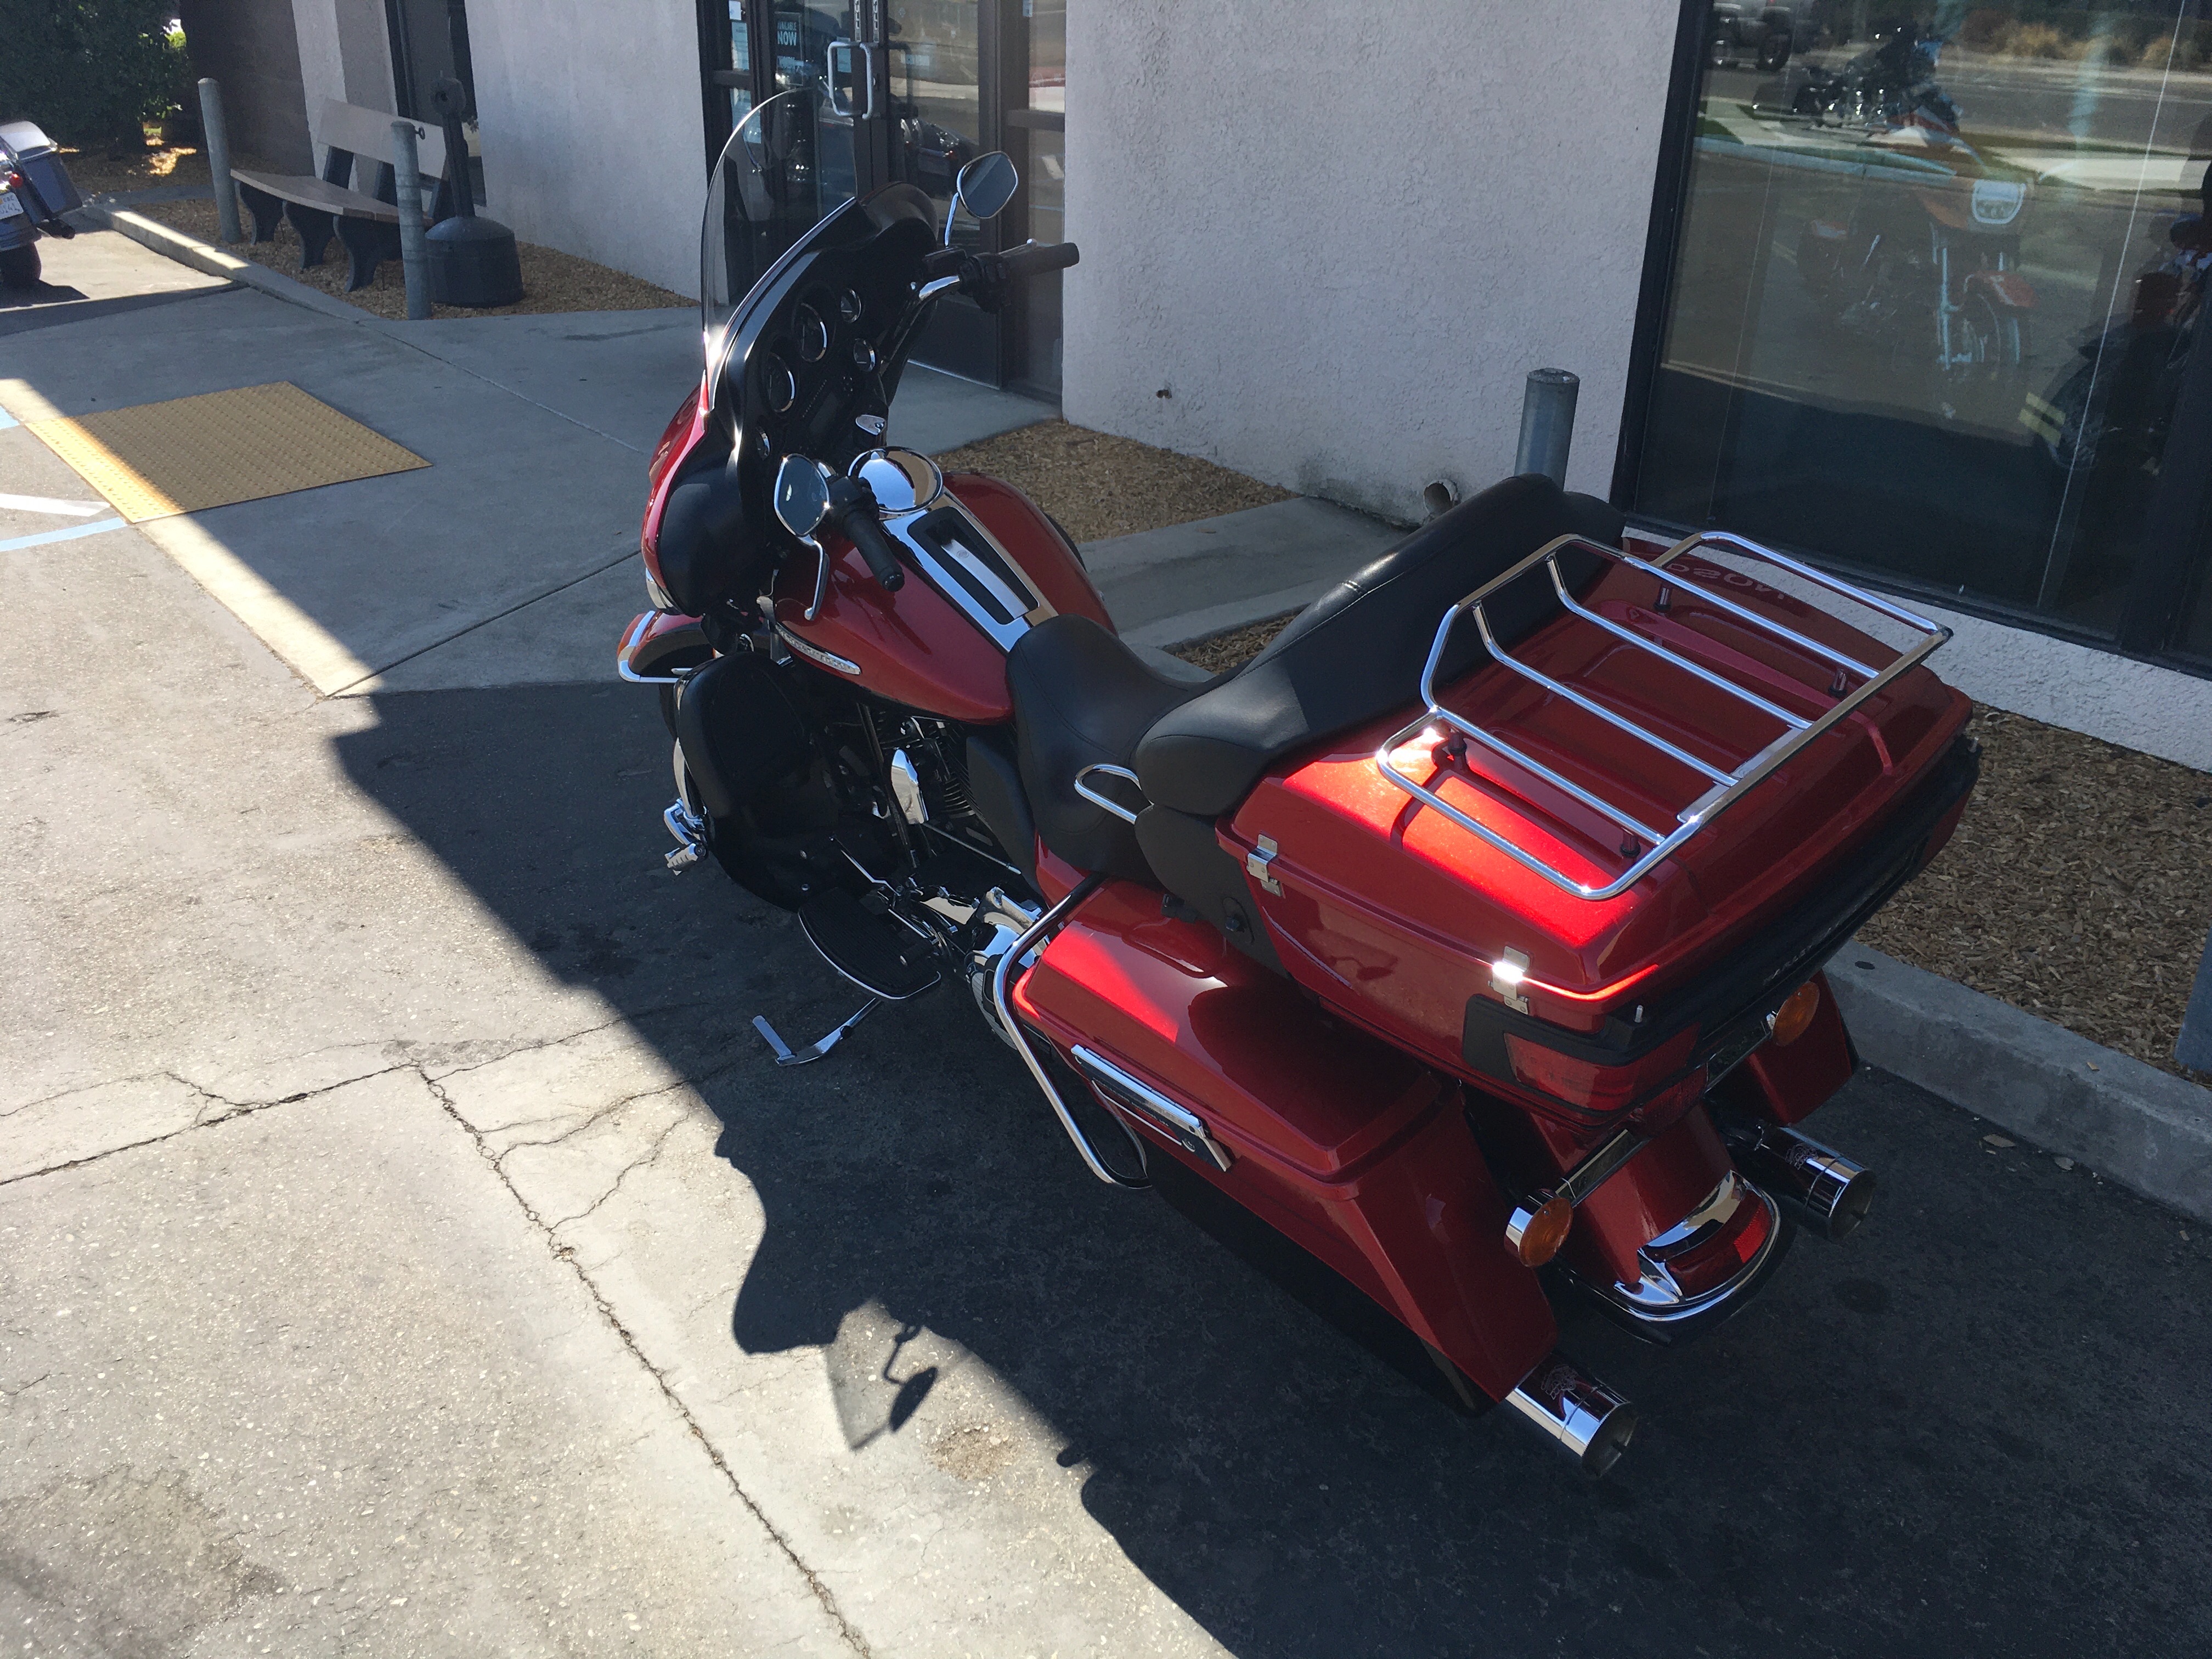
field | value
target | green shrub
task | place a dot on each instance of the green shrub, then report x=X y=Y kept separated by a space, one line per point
x=91 y=72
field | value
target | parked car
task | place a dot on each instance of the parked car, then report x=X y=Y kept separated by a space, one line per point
x=35 y=192
x=1764 y=35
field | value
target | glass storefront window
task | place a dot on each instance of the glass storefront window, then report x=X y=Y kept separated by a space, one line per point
x=1937 y=276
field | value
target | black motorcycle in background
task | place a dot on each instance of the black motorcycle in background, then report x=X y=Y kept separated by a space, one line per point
x=35 y=192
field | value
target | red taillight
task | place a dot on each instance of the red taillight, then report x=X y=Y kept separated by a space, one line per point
x=1597 y=1088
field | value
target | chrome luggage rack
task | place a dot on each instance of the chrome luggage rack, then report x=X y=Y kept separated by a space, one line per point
x=1727 y=786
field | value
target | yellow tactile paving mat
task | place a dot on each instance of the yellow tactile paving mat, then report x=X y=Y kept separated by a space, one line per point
x=154 y=460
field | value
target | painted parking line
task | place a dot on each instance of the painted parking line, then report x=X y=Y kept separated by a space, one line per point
x=69 y=534
x=53 y=504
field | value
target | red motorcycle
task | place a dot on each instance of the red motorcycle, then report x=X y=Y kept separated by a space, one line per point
x=1470 y=936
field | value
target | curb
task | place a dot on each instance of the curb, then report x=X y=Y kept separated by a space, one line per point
x=1203 y=625
x=2147 y=1129
x=203 y=256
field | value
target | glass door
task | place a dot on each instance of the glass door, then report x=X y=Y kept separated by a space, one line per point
x=934 y=54
x=913 y=90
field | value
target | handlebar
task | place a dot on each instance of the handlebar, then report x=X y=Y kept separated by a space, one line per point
x=983 y=276
x=853 y=510
x=1035 y=259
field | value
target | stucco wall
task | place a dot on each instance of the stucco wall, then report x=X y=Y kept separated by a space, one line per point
x=248 y=48
x=592 y=138
x=344 y=54
x=1340 y=236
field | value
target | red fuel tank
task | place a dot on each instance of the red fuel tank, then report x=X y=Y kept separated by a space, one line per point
x=914 y=647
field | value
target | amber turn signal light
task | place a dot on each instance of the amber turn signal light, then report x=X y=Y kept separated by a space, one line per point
x=1790 y=1021
x=1535 y=1235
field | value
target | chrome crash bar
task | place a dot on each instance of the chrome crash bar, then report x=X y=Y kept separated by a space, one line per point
x=1727 y=784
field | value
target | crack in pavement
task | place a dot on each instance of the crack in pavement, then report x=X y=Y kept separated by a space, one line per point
x=567 y=1253
x=652 y=1155
x=635 y=1019
x=601 y=1113
x=231 y=1110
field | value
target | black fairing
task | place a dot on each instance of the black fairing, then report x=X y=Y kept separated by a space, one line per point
x=1356 y=652
x=868 y=252
x=703 y=551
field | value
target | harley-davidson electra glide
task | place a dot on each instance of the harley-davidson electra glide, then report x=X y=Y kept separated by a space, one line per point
x=1470 y=936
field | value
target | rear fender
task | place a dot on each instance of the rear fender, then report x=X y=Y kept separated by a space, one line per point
x=1778 y=1084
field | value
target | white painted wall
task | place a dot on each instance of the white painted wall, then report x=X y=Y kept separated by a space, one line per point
x=2134 y=704
x=344 y=54
x=592 y=137
x=1340 y=236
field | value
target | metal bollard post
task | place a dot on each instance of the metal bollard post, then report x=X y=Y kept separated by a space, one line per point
x=1547 y=424
x=218 y=157
x=414 y=255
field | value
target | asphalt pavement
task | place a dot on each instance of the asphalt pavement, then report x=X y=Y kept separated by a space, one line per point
x=407 y=1247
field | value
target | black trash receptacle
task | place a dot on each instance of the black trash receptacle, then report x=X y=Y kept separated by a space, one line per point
x=473 y=262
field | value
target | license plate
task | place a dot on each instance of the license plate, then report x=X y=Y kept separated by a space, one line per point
x=8 y=205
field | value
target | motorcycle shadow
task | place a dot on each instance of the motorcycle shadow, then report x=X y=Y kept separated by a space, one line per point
x=1913 y=1438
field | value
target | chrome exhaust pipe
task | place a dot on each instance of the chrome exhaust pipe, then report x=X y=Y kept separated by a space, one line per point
x=1592 y=1422
x=1822 y=1188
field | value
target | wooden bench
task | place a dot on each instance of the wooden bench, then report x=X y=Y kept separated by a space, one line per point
x=355 y=199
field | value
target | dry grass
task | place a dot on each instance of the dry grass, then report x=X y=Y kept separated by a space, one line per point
x=2078 y=887
x=552 y=280
x=1098 y=486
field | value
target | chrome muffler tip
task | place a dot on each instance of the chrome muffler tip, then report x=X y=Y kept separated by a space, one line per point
x=1823 y=1189
x=1592 y=1422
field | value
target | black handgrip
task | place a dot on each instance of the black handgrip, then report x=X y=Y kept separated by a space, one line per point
x=853 y=510
x=1035 y=259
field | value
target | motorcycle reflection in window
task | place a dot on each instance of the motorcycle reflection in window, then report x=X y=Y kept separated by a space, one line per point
x=2110 y=412
x=1925 y=269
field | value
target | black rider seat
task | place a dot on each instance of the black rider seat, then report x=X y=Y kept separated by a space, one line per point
x=1081 y=696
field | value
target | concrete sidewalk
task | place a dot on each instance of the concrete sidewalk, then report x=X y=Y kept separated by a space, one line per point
x=512 y=557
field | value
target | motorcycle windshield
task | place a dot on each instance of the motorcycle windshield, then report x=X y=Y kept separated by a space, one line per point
x=774 y=182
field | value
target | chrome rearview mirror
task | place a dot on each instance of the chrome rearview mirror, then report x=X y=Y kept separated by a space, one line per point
x=802 y=495
x=984 y=187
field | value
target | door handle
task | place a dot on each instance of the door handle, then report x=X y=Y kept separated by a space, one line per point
x=867 y=102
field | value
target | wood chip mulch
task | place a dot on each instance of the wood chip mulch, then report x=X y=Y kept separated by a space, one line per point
x=97 y=173
x=2078 y=887
x=552 y=280
x=1238 y=645
x=1097 y=485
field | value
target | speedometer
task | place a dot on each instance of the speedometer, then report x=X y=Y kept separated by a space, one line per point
x=779 y=385
x=814 y=334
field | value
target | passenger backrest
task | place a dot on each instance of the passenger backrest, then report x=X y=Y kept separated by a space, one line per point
x=1356 y=652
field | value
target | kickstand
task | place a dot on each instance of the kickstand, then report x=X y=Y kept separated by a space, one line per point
x=784 y=1056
